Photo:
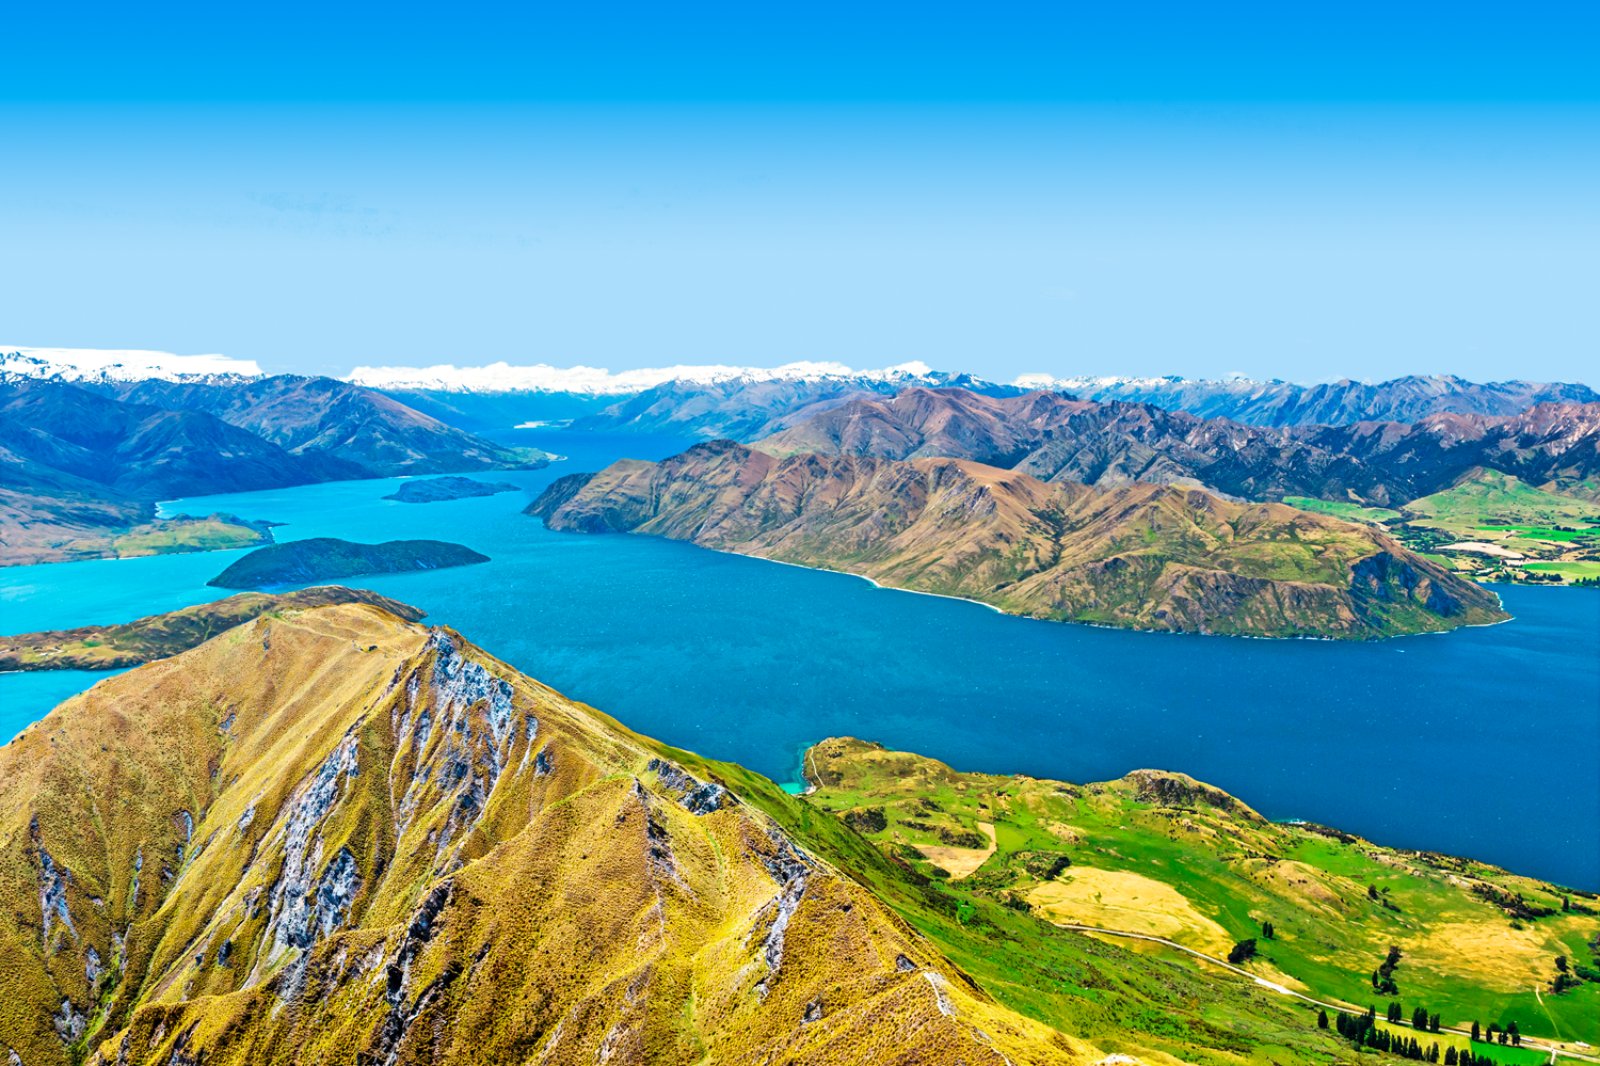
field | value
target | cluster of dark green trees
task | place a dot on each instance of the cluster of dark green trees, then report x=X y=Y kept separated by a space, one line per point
x=1496 y=1035
x=1362 y=1030
x=1383 y=976
x=1571 y=976
x=1420 y=1018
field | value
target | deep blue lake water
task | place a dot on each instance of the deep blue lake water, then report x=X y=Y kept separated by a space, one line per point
x=1483 y=742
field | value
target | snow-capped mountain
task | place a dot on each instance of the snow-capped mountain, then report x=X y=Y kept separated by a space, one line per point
x=1336 y=403
x=98 y=365
x=597 y=381
x=503 y=394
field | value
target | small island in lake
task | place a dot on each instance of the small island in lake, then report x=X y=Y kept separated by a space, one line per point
x=323 y=558
x=436 y=489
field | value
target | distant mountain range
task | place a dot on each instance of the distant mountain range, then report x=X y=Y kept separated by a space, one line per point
x=122 y=364
x=1144 y=556
x=749 y=408
x=86 y=459
x=593 y=381
x=705 y=401
x=1337 y=403
x=1055 y=438
x=746 y=402
x=377 y=434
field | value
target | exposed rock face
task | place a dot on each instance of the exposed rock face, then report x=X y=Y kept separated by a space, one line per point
x=295 y=914
x=52 y=895
x=1167 y=789
x=1144 y=556
x=408 y=853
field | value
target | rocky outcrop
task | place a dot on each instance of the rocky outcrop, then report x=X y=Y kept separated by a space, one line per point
x=1164 y=788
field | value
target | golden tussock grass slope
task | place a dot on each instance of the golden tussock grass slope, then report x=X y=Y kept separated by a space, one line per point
x=334 y=836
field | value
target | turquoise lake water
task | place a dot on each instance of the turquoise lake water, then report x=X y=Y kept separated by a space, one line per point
x=1483 y=742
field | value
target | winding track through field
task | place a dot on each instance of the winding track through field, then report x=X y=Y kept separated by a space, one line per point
x=1280 y=989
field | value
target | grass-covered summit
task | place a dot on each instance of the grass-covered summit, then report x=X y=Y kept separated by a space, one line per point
x=1144 y=556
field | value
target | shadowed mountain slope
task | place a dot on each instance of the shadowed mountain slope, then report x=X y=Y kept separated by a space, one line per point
x=80 y=471
x=306 y=415
x=83 y=464
x=145 y=451
x=1144 y=556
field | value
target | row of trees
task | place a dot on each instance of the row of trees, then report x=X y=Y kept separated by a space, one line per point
x=1496 y=1035
x=1362 y=1030
x=1420 y=1018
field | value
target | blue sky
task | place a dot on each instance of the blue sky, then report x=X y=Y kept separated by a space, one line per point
x=1303 y=192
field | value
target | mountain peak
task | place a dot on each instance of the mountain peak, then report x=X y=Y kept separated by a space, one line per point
x=370 y=863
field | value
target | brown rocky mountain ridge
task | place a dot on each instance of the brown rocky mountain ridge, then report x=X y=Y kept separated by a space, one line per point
x=746 y=410
x=1056 y=438
x=1142 y=555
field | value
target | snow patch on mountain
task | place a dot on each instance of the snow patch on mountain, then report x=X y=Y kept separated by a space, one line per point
x=120 y=364
x=598 y=381
x=1051 y=383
